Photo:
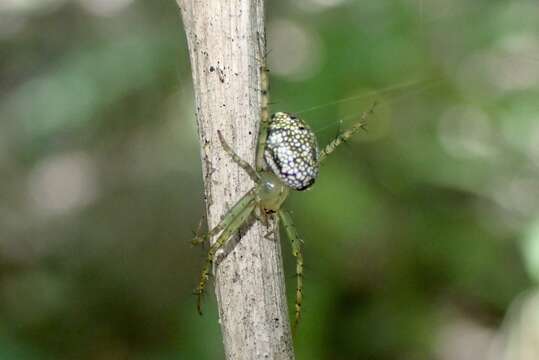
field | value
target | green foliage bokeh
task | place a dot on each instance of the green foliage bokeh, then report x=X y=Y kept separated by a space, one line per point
x=416 y=225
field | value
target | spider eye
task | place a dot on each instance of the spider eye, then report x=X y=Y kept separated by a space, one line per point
x=292 y=151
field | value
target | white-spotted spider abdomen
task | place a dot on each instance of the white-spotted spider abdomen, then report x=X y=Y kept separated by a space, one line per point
x=292 y=151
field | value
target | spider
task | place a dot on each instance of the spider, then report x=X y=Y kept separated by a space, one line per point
x=288 y=157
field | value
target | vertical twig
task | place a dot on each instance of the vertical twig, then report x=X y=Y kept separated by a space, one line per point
x=226 y=43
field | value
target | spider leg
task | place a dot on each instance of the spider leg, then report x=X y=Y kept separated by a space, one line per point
x=345 y=135
x=297 y=244
x=264 y=113
x=275 y=228
x=199 y=236
x=238 y=160
x=261 y=216
x=232 y=221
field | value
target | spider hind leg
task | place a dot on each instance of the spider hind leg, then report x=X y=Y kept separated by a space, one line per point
x=297 y=245
x=237 y=159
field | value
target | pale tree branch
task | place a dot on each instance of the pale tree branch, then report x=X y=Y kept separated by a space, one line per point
x=226 y=44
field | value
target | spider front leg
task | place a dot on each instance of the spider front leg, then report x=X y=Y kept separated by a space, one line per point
x=232 y=221
x=264 y=106
x=199 y=239
x=238 y=160
x=297 y=244
x=345 y=135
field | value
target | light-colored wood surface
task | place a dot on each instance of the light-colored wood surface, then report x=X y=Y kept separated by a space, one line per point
x=225 y=40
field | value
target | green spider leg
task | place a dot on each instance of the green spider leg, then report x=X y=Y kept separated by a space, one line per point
x=199 y=239
x=238 y=160
x=232 y=221
x=261 y=215
x=264 y=110
x=202 y=238
x=297 y=245
x=346 y=134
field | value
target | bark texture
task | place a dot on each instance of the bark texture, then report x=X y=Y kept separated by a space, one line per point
x=226 y=45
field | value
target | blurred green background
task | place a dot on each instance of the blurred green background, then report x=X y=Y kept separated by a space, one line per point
x=419 y=235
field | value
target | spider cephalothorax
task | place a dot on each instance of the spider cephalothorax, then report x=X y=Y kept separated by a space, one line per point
x=292 y=151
